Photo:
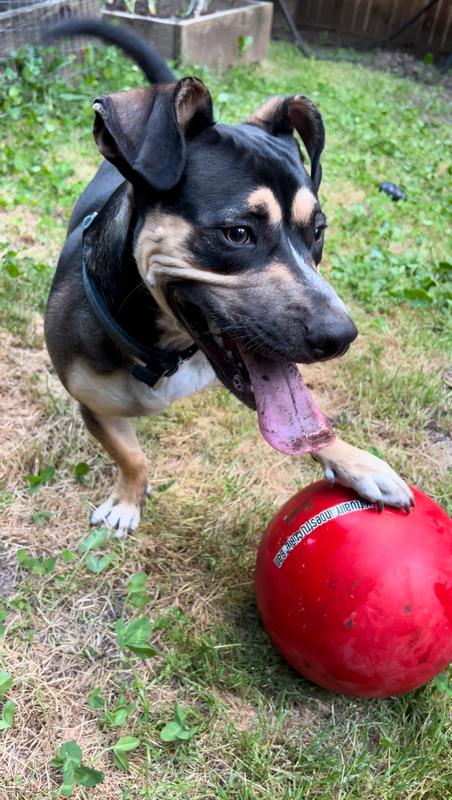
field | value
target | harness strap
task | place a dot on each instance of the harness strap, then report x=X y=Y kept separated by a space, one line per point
x=154 y=362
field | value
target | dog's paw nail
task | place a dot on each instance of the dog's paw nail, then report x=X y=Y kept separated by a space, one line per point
x=330 y=476
x=121 y=516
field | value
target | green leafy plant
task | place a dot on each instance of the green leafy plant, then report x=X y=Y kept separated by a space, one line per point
x=3 y=616
x=443 y=683
x=38 y=566
x=97 y=564
x=10 y=263
x=41 y=517
x=67 y=556
x=135 y=636
x=80 y=471
x=8 y=707
x=137 y=595
x=120 y=714
x=177 y=728
x=35 y=482
x=95 y=539
x=95 y=699
x=130 y=5
x=123 y=746
x=69 y=761
x=244 y=43
x=7 y=718
x=6 y=682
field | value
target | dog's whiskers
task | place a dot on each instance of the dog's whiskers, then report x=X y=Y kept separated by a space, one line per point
x=139 y=287
x=189 y=273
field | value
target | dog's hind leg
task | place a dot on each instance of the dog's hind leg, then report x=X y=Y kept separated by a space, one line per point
x=121 y=511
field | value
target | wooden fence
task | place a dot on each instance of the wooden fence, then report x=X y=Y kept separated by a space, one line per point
x=352 y=21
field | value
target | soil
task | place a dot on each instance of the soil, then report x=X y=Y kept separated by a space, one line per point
x=174 y=8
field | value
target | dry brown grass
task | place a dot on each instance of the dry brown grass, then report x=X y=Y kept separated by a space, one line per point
x=194 y=521
x=40 y=426
x=197 y=543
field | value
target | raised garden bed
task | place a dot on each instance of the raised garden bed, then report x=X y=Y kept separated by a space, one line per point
x=228 y=33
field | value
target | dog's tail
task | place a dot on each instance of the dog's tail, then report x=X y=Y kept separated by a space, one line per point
x=134 y=46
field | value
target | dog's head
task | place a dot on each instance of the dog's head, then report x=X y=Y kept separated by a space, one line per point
x=230 y=236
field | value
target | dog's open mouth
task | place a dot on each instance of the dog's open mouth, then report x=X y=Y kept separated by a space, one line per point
x=289 y=418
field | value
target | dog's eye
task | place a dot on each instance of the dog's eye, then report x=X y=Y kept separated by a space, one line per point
x=318 y=232
x=238 y=236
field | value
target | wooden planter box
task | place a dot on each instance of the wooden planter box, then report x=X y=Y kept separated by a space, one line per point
x=214 y=40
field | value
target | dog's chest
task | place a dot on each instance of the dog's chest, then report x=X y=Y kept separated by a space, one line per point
x=192 y=376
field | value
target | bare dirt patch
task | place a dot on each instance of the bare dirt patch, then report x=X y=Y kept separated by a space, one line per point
x=234 y=710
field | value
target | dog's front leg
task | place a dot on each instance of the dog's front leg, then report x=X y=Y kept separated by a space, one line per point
x=122 y=509
x=369 y=476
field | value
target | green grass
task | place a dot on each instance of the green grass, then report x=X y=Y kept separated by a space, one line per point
x=239 y=723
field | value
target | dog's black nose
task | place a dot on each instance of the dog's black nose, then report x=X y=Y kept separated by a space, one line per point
x=330 y=337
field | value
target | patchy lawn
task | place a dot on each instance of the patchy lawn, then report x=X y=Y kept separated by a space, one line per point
x=245 y=726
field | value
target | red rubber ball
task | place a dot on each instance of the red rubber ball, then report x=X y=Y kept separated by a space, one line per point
x=359 y=602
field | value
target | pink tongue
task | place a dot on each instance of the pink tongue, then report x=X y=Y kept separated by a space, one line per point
x=289 y=418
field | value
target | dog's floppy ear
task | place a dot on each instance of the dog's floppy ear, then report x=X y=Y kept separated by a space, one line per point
x=142 y=131
x=286 y=114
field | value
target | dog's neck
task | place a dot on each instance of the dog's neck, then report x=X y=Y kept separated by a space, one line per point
x=110 y=261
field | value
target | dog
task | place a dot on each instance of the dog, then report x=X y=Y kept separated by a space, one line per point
x=192 y=260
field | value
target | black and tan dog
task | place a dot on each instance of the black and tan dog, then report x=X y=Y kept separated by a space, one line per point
x=193 y=257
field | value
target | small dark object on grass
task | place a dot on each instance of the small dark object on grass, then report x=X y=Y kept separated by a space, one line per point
x=393 y=191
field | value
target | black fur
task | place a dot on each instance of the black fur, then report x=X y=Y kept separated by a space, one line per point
x=153 y=66
x=173 y=155
x=232 y=216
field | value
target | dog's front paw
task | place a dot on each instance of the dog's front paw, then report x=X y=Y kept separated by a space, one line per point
x=119 y=515
x=368 y=475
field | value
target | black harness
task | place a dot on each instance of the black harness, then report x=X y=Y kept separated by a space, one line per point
x=153 y=363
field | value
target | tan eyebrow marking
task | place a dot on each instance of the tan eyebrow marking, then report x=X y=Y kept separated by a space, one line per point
x=303 y=206
x=263 y=198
